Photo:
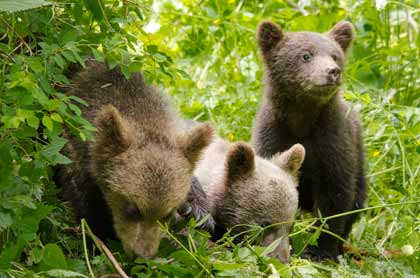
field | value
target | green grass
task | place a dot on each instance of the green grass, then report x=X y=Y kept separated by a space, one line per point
x=205 y=55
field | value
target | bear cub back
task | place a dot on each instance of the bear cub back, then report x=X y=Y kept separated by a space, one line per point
x=139 y=169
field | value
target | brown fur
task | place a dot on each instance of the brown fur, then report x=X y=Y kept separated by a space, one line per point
x=302 y=104
x=197 y=207
x=243 y=188
x=139 y=169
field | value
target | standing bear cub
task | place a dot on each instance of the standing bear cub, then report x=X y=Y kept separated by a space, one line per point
x=139 y=170
x=302 y=104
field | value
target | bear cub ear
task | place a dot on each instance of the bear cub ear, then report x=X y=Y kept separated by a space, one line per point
x=113 y=136
x=269 y=35
x=290 y=160
x=343 y=34
x=195 y=141
x=240 y=162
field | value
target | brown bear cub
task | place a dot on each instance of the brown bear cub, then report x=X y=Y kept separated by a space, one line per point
x=244 y=189
x=302 y=104
x=139 y=170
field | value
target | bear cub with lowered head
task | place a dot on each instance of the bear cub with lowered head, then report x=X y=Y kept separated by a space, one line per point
x=139 y=170
x=302 y=104
x=243 y=188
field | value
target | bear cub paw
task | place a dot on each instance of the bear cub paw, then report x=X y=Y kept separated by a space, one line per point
x=197 y=207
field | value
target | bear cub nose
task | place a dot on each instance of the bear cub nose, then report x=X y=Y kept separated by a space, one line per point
x=334 y=74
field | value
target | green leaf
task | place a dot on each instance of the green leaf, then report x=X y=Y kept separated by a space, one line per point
x=47 y=122
x=35 y=64
x=61 y=159
x=125 y=71
x=94 y=6
x=60 y=273
x=151 y=48
x=45 y=85
x=40 y=96
x=359 y=228
x=221 y=265
x=56 y=117
x=52 y=152
x=69 y=56
x=10 y=252
x=82 y=136
x=99 y=56
x=6 y=163
x=24 y=200
x=29 y=223
x=33 y=121
x=5 y=220
x=59 y=61
x=52 y=258
x=77 y=56
x=36 y=254
x=21 y=5
x=75 y=109
x=79 y=100
x=135 y=67
x=11 y=122
x=78 y=265
x=270 y=248
x=183 y=257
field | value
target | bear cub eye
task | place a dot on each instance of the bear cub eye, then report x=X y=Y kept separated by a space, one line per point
x=307 y=56
x=132 y=212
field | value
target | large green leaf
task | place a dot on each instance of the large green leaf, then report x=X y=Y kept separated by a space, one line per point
x=53 y=258
x=5 y=220
x=60 y=273
x=21 y=5
x=51 y=152
x=95 y=7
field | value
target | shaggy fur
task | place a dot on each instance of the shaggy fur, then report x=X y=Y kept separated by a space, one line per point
x=243 y=188
x=139 y=169
x=197 y=207
x=302 y=104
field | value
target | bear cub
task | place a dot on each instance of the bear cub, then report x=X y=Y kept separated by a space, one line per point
x=139 y=169
x=243 y=188
x=302 y=103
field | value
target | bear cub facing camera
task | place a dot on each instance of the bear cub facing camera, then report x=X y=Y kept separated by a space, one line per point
x=302 y=104
x=139 y=169
x=243 y=188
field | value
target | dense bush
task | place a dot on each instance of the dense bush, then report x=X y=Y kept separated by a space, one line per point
x=203 y=53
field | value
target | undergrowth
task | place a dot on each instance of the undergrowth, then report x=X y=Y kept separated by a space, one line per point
x=204 y=54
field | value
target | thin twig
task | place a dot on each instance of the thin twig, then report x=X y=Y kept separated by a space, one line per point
x=111 y=258
x=19 y=36
x=102 y=247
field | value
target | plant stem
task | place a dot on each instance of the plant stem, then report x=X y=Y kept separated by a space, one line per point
x=85 y=249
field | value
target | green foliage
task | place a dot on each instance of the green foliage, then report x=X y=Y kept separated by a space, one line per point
x=36 y=48
x=204 y=53
x=14 y=6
